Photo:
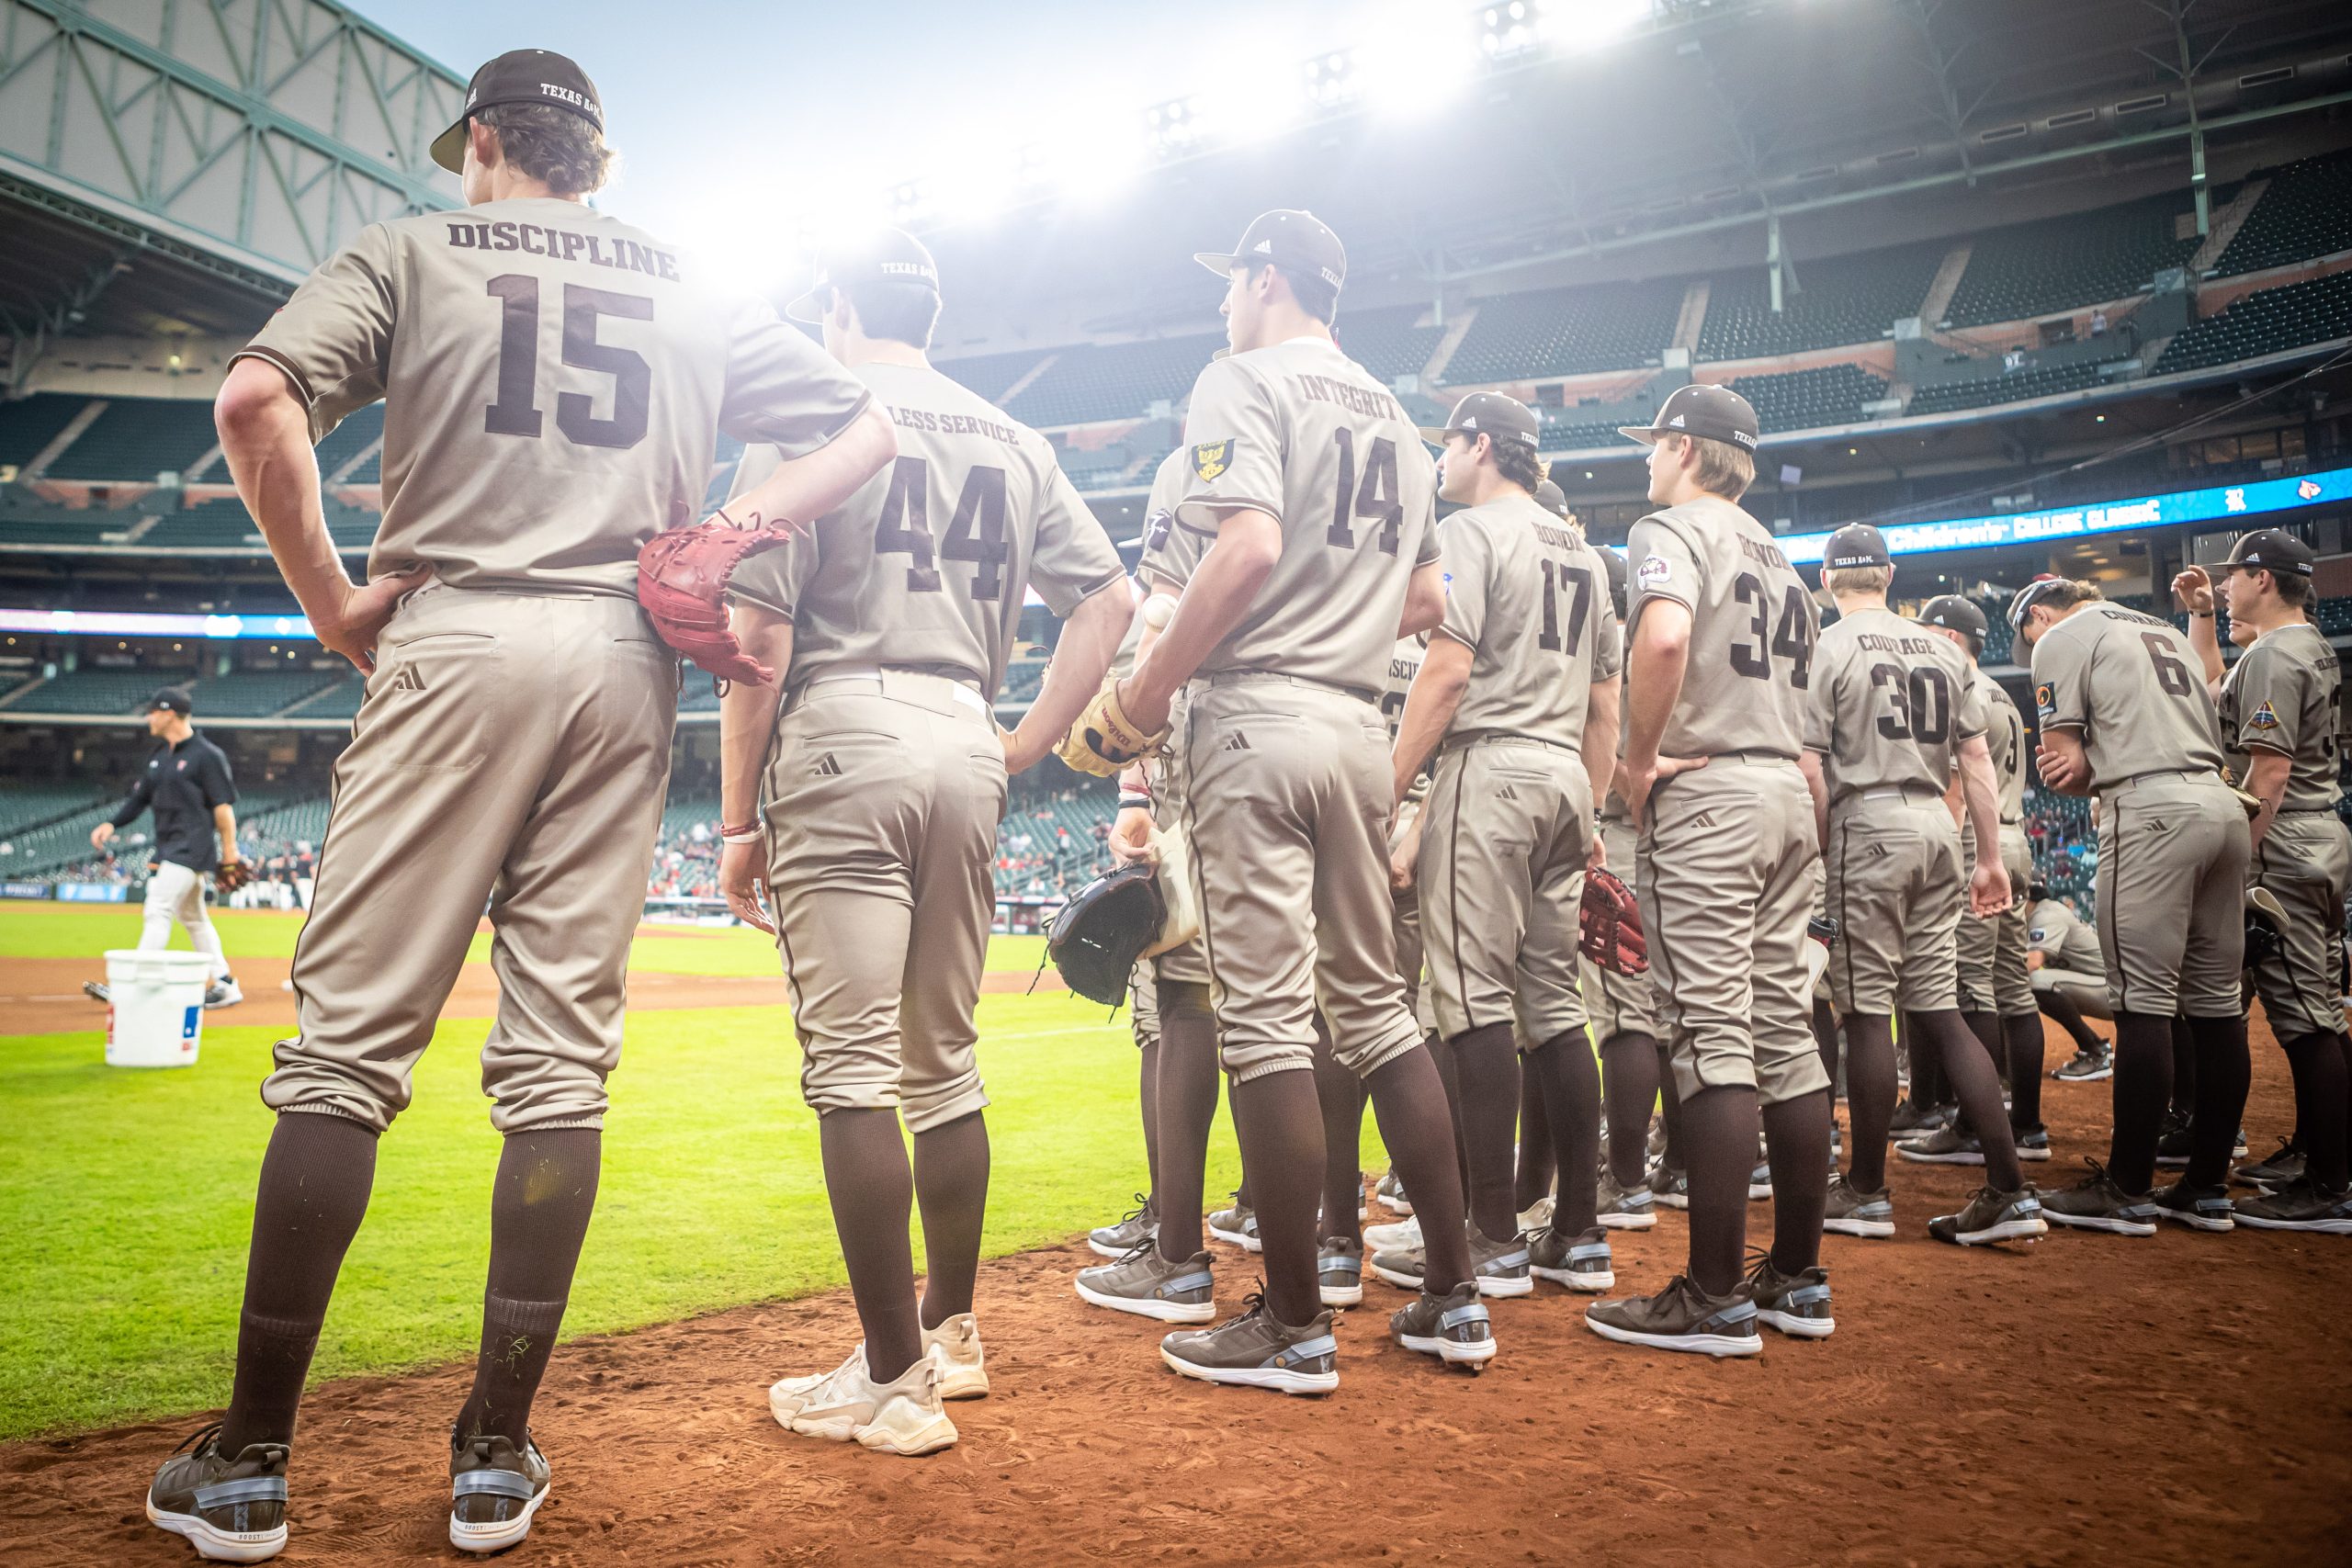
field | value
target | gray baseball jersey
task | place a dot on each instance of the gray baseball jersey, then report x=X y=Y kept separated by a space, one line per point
x=1303 y=434
x=2282 y=696
x=1169 y=553
x=1530 y=599
x=1889 y=705
x=2130 y=683
x=926 y=563
x=552 y=379
x=1753 y=628
x=2005 y=739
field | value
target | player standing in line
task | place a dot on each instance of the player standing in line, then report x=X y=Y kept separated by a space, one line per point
x=1728 y=869
x=2069 y=977
x=515 y=742
x=187 y=783
x=2125 y=714
x=1996 y=989
x=868 y=806
x=1325 y=554
x=1518 y=701
x=1173 y=1279
x=2278 y=711
x=1893 y=716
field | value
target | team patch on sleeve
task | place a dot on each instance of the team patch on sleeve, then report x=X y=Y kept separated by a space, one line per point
x=1211 y=458
x=2263 y=717
x=1654 y=569
x=2045 y=700
x=1156 y=528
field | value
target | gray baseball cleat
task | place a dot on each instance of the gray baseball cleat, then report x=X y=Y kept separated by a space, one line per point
x=230 y=1510
x=1338 y=1272
x=1992 y=1215
x=1151 y=1286
x=1238 y=1224
x=494 y=1492
x=1252 y=1350
x=1622 y=1208
x=1852 y=1211
x=1796 y=1304
x=1500 y=1267
x=1455 y=1327
x=1140 y=1224
x=1680 y=1317
x=1579 y=1262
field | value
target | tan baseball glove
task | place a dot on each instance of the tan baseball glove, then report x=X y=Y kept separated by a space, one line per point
x=1105 y=740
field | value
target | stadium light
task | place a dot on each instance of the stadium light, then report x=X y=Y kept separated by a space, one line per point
x=1589 y=24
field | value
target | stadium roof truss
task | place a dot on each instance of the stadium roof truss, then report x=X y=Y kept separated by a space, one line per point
x=214 y=150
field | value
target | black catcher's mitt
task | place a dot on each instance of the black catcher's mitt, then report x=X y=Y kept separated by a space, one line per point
x=2265 y=925
x=1611 y=923
x=1099 y=933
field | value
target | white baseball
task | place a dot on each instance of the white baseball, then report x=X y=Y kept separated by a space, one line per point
x=1159 y=610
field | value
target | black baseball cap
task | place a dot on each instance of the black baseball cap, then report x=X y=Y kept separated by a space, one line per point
x=1613 y=562
x=1716 y=412
x=1857 y=544
x=1553 y=500
x=1491 y=414
x=1955 y=614
x=175 y=698
x=2032 y=593
x=520 y=76
x=1295 y=241
x=882 y=255
x=2272 y=549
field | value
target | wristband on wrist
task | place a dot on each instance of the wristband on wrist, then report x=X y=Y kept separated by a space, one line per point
x=2201 y=614
x=738 y=833
x=1135 y=802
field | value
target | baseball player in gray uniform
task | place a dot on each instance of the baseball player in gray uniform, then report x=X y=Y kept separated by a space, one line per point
x=1892 y=714
x=867 y=803
x=1995 y=987
x=2278 y=710
x=1325 y=553
x=1172 y=1279
x=2069 y=976
x=1728 y=868
x=553 y=381
x=2124 y=713
x=1518 y=701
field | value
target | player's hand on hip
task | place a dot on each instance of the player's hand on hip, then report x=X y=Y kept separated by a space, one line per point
x=742 y=881
x=2193 y=591
x=1130 y=839
x=1637 y=784
x=1988 y=889
x=2065 y=774
x=101 y=835
x=360 y=619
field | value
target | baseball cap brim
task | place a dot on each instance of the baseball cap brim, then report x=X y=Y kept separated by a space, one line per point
x=1645 y=434
x=449 y=148
x=810 y=307
x=1435 y=435
x=1215 y=262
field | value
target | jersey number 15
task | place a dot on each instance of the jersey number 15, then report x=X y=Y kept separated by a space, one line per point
x=516 y=410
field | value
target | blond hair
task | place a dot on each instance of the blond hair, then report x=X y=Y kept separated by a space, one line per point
x=1723 y=468
x=1858 y=579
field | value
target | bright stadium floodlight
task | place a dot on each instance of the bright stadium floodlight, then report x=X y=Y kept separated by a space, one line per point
x=1589 y=24
x=1404 y=73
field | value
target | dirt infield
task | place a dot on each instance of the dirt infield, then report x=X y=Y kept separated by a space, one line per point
x=2181 y=1400
x=43 y=996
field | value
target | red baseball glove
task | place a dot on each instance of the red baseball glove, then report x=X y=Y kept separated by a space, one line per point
x=1612 y=926
x=681 y=577
x=229 y=875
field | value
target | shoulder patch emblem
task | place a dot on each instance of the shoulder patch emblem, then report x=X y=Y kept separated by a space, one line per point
x=2263 y=717
x=2044 y=700
x=1211 y=458
x=1155 y=529
x=1654 y=569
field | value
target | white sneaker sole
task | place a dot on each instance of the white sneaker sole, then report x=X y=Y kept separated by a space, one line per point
x=1638 y=1220
x=1797 y=1327
x=2315 y=1227
x=1698 y=1344
x=1758 y=1190
x=482 y=1538
x=1280 y=1379
x=2199 y=1222
x=927 y=1438
x=2007 y=1230
x=2026 y=1154
x=1395 y=1205
x=1488 y=1285
x=2099 y=1076
x=1391 y=1238
x=1451 y=1352
x=1594 y=1284
x=1341 y=1295
x=228 y=1001
x=2099 y=1222
x=1160 y=1311
x=1242 y=1239
x=219 y=1545
x=963 y=1382
x=1672 y=1200
x=1871 y=1230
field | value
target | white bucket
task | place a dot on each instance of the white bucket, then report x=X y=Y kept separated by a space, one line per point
x=155 y=1017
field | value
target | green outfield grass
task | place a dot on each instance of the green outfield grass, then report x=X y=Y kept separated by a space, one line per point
x=126 y=1197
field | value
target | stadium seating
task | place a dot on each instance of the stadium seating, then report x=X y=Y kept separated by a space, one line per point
x=137 y=438
x=1387 y=342
x=2306 y=212
x=2063 y=263
x=108 y=691
x=1096 y=470
x=1022 y=680
x=30 y=423
x=1809 y=400
x=1562 y=431
x=1566 y=332
x=210 y=525
x=255 y=694
x=337 y=702
x=1114 y=380
x=2008 y=388
x=2269 y=321
x=990 y=373
x=347 y=440
x=1844 y=299
x=367 y=473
